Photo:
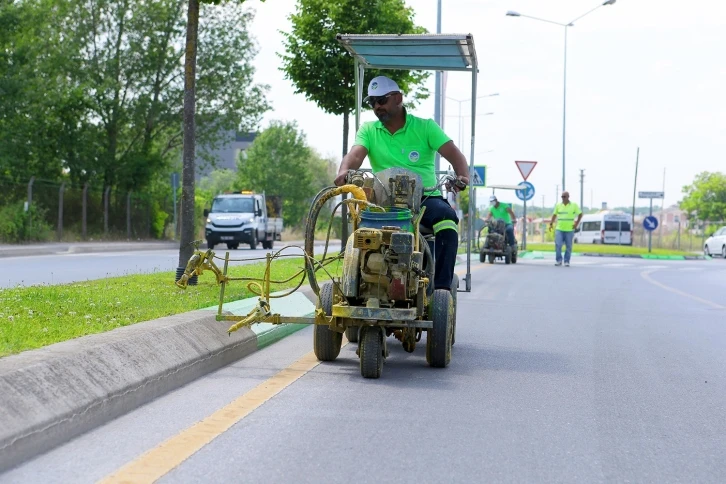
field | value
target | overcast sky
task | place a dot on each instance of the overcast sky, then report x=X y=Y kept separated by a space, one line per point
x=641 y=73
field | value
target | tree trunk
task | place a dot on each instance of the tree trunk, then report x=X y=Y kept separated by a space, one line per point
x=344 y=208
x=186 y=249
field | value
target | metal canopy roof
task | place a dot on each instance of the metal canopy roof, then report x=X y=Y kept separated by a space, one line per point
x=507 y=187
x=436 y=52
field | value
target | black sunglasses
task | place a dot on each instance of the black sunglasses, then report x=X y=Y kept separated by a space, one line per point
x=382 y=100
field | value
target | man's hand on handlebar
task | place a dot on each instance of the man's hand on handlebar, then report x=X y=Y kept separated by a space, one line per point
x=457 y=184
x=340 y=179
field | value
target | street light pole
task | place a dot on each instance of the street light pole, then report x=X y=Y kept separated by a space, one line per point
x=461 y=131
x=564 y=77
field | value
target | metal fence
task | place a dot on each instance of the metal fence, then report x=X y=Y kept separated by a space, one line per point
x=88 y=211
x=687 y=236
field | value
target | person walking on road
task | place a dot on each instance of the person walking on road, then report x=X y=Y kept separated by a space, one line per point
x=568 y=216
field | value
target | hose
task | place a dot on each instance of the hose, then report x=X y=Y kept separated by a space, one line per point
x=317 y=205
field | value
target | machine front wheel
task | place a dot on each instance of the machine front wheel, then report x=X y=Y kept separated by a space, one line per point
x=508 y=255
x=326 y=343
x=438 y=341
x=491 y=258
x=371 y=351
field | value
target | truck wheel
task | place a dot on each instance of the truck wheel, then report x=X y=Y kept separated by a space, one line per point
x=253 y=244
x=371 y=351
x=210 y=245
x=351 y=332
x=232 y=246
x=268 y=244
x=326 y=343
x=438 y=341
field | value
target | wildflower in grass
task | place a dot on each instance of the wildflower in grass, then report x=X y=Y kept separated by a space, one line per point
x=87 y=316
x=72 y=313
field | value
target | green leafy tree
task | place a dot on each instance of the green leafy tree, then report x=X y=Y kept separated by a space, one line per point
x=279 y=162
x=322 y=70
x=705 y=198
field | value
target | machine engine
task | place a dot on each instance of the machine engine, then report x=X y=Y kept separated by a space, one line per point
x=389 y=266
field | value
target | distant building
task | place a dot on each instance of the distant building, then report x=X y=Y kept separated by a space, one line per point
x=226 y=156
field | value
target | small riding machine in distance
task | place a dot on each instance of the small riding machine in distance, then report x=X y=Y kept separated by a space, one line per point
x=495 y=244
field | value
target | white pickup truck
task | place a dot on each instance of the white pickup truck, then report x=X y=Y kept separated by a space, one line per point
x=244 y=217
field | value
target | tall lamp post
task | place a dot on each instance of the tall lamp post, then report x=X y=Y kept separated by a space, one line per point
x=564 y=88
x=460 y=140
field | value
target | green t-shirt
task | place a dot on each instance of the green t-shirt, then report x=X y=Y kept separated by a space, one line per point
x=501 y=212
x=412 y=147
x=566 y=215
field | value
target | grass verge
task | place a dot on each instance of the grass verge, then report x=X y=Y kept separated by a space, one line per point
x=37 y=316
x=607 y=249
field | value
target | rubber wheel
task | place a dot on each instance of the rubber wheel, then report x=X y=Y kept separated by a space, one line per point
x=210 y=246
x=371 y=352
x=232 y=246
x=253 y=244
x=454 y=292
x=514 y=257
x=268 y=244
x=438 y=341
x=326 y=343
x=491 y=258
x=508 y=255
x=482 y=257
x=351 y=333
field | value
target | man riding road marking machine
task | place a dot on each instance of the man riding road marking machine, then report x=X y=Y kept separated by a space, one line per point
x=388 y=265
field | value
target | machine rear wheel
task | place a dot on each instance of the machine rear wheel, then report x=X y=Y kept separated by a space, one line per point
x=326 y=343
x=351 y=333
x=438 y=341
x=371 y=351
x=482 y=257
x=508 y=255
x=491 y=258
x=514 y=257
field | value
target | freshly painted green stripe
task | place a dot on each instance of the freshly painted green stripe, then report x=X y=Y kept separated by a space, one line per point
x=278 y=332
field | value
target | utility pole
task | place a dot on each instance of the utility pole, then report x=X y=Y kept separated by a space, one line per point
x=544 y=225
x=582 y=179
x=557 y=193
x=662 y=213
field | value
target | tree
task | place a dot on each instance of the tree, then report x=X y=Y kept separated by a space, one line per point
x=188 y=150
x=279 y=162
x=321 y=69
x=705 y=198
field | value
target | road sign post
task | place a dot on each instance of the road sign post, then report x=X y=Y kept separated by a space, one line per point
x=524 y=195
x=650 y=223
x=525 y=169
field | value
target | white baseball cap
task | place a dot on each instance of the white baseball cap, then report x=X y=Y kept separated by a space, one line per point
x=492 y=198
x=380 y=86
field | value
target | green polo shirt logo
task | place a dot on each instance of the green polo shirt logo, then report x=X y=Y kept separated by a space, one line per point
x=412 y=147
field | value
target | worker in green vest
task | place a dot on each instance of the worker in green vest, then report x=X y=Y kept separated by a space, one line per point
x=567 y=215
x=504 y=212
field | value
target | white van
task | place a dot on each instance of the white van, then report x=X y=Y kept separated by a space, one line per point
x=605 y=227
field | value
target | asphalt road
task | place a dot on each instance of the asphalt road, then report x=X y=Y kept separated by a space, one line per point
x=65 y=268
x=606 y=371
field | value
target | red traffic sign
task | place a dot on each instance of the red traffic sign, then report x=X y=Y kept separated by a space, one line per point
x=525 y=168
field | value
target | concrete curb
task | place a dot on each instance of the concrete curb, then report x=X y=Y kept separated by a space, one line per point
x=58 y=392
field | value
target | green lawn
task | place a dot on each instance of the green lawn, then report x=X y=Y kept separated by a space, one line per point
x=607 y=249
x=36 y=316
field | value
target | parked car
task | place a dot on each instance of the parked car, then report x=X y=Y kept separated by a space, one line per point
x=716 y=244
x=605 y=228
x=244 y=217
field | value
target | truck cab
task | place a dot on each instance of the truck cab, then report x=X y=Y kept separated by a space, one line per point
x=243 y=218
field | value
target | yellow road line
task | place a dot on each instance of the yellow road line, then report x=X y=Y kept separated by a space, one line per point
x=160 y=460
x=646 y=275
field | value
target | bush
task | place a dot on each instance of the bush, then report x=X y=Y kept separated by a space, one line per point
x=17 y=225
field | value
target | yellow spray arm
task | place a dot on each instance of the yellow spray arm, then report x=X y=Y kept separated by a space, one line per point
x=260 y=312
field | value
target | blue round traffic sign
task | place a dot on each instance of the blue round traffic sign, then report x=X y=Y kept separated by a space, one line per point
x=650 y=223
x=526 y=194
